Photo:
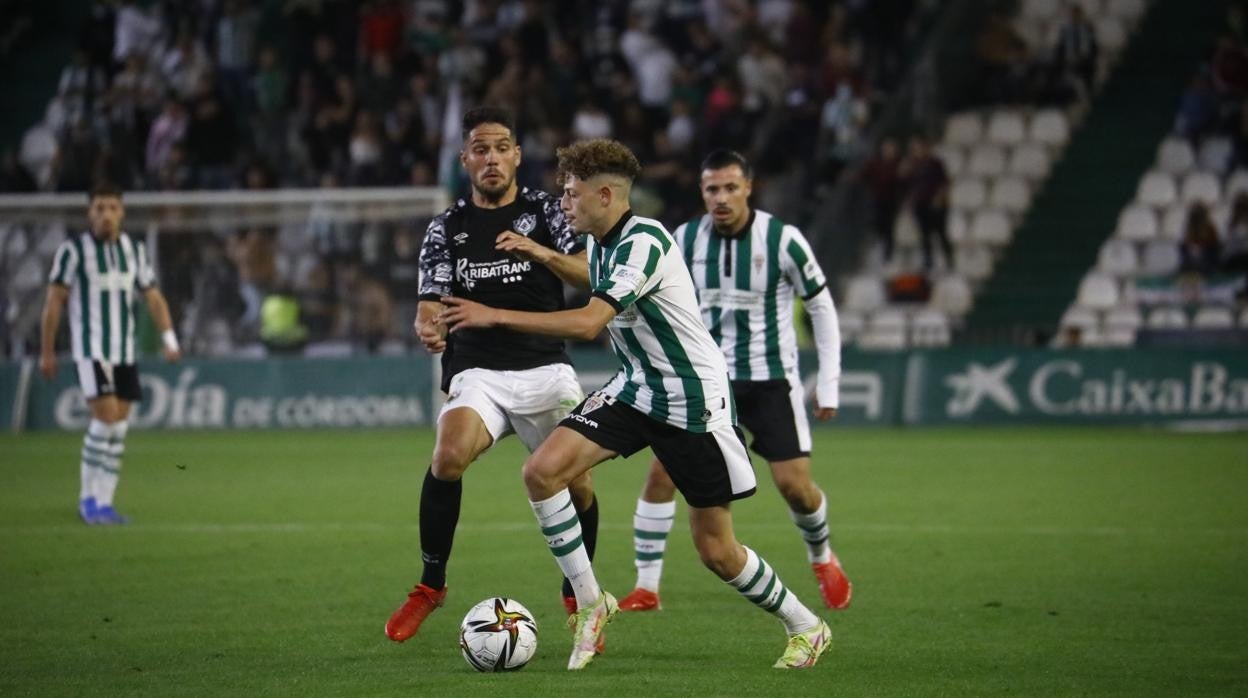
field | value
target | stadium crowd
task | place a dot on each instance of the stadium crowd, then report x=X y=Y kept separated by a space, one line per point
x=255 y=94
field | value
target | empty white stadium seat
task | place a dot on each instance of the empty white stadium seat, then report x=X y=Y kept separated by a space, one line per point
x=1157 y=189
x=1006 y=127
x=987 y=160
x=1111 y=34
x=1098 y=291
x=974 y=261
x=1173 y=221
x=1213 y=317
x=1160 y=257
x=1237 y=183
x=1050 y=127
x=1081 y=317
x=1010 y=194
x=905 y=230
x=1130 y=10
x=930 y=328
x=1128 y=317
x=1167 y=318
x=1030 y=160
x=1175 y=156
x=1041 y=9
x=968 y=193
x=1118 y=257
x=886 y=329
x=952 y=295
x=991 y=227
x=1200 y=186
x=864 y=293
x=851 y=325
x=953 y=156
x=1215 y=155
x=964 y=129
x=958 y=226
x=1137 y=222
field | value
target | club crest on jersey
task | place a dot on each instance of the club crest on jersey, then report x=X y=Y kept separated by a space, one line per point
x=759 y=261
x=592 y=403
x=525 y=224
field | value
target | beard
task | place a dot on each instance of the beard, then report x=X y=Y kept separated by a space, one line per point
x=494 y=193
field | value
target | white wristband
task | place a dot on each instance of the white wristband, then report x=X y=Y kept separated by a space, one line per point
x=170 y=340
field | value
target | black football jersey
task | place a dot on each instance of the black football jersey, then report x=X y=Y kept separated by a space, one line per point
x=458 y=258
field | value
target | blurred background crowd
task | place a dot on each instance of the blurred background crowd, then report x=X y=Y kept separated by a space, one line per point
x=262 y=94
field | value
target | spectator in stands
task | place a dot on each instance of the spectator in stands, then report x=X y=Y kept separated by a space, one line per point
x=927 y=184
x=1200 y=251
x=883 y=180
x=253 y=252
x=1235 y=252
x=1198 y=108
x=1075 y=54
x=1004 y=60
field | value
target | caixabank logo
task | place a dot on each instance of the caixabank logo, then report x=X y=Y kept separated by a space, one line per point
x=1094 y=387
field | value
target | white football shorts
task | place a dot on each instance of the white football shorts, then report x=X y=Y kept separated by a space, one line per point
x=528 y=403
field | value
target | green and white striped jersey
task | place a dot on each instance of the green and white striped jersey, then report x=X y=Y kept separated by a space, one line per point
x=671 y=369
x=101 y=277
x=745 y=291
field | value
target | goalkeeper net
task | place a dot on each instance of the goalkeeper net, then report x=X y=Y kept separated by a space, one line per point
x=345 y=257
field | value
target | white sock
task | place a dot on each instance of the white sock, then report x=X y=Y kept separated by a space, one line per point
x=651 y=523
x=108 y=475
x=562 y=529
x=94 y=454
x=814 y=530
x=759 y=583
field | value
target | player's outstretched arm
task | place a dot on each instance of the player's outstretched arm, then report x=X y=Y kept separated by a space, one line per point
x=584 y=323
x=159 y=308
x=571 y=268
x=429 y=326
x=51 y=320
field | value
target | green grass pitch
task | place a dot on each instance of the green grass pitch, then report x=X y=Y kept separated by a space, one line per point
x=985 y=561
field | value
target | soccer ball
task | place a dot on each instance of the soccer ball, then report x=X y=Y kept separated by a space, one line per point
x=498 y=634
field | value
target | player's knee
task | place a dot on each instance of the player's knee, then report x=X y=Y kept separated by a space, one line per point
x=450 y=461
x=540 y=478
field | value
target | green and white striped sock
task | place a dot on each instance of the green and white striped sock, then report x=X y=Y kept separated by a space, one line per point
x=94 y=456
x=814 y=530
x=651 y=524
x=107 y=478
x=760 y=584
x=562 y=529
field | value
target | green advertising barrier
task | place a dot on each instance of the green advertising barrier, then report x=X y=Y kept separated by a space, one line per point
x=1138 y=386
x=256 y=394
x=931 y=387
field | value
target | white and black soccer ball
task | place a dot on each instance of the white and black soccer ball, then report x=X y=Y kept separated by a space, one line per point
x=498 y=634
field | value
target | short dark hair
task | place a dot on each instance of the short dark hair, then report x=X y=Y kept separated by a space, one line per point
x=103 y=188
x=723 y=157
x=487 y=115
x=596 y=156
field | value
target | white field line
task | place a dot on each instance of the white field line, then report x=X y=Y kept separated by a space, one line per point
x=297 y=527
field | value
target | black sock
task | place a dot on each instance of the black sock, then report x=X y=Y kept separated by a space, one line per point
x=439 y=514
x=589 y=536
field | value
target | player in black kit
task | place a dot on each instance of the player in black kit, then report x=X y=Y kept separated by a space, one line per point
x=508 y=247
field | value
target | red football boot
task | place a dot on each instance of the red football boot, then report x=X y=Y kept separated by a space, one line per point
x=640 y=600
x=420 y=603
x=834 y=586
